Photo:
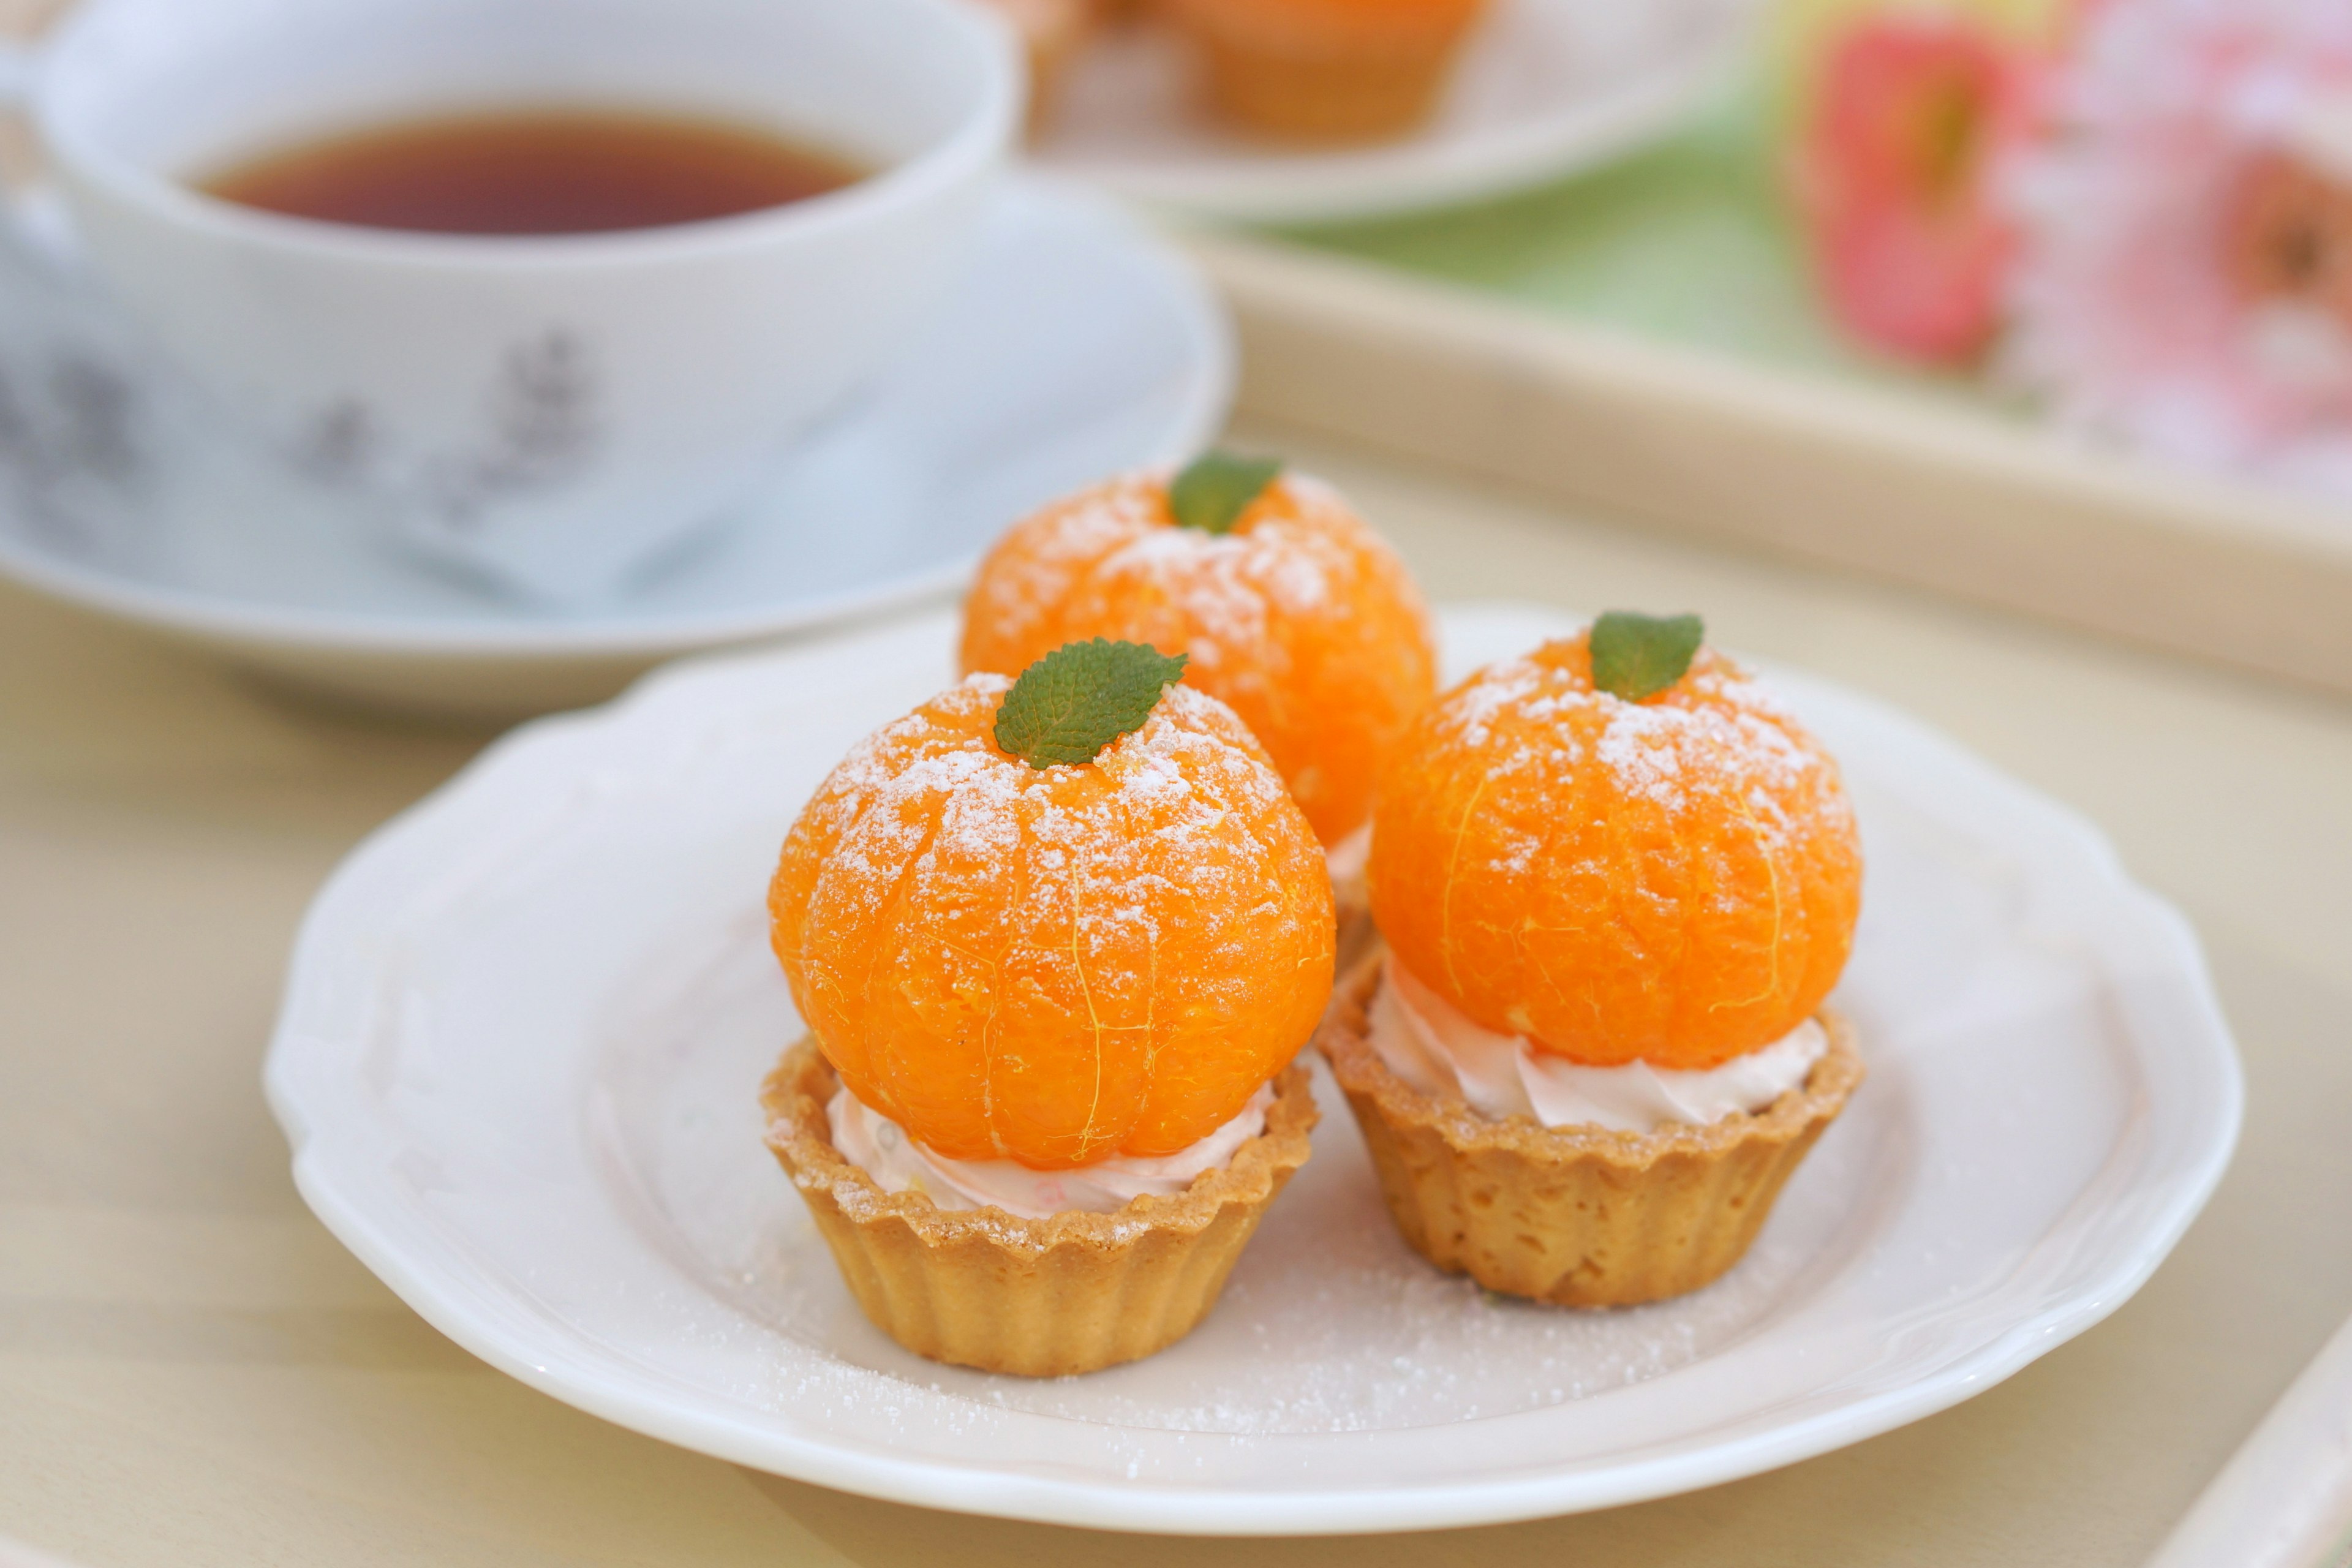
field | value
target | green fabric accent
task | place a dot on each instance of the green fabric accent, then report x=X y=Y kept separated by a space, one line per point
x=1690 y=241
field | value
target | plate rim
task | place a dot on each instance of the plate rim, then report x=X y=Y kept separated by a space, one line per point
x=1174 y=1507
x=519 y=636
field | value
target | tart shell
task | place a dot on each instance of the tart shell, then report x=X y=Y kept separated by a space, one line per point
x=1580 y=1216
x=1037 y=1298
x=1309 y=78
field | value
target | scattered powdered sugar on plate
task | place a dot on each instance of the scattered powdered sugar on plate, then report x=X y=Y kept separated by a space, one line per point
x=1328 y=1324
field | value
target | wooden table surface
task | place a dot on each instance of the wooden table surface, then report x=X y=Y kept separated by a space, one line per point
x=192 y=1372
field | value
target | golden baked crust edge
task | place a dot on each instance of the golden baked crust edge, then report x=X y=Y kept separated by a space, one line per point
x=1040 y=1298
x=1579 y=1217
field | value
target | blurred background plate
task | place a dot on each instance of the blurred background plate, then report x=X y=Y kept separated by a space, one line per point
x=1547 y=88
x=1078 y=346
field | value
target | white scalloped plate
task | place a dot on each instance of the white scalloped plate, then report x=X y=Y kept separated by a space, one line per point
x=526 y=1022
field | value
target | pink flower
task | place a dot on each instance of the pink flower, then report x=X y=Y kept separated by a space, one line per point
x=2184 y=276
x=1912 y=113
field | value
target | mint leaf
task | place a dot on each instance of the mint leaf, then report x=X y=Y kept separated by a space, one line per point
x=1637 y=656
x=1078 y=698
x=1217 y=488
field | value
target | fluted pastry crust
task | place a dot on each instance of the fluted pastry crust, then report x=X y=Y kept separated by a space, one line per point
x=1039 y=1298
x=1582 y=1217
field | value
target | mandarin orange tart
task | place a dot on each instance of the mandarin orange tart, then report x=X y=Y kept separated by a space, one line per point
x=1290 y=609
x=1055 y=942
x=1615 y=881
x=1326 y=70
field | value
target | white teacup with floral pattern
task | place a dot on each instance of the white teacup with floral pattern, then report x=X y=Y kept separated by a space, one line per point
x=546 y=413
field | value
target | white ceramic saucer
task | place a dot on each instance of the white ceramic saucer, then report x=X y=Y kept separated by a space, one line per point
x=1545 y=87
x=1078 y=346
x=526 y=1026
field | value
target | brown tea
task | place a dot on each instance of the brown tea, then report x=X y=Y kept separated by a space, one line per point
x=538 y=171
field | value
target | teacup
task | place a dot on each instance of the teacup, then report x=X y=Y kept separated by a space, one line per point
x=548 y=412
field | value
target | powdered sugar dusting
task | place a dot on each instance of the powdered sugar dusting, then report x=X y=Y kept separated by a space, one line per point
x=1673 y=753
x=1031 y=572
x=980 y=943
x=1673 y=880
x=1301 y=618
x=1118 y=538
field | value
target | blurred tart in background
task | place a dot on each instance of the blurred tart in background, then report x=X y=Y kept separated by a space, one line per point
x=1326 y=70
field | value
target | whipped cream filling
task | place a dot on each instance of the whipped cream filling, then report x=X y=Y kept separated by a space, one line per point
x=1349 y=856
x=1427 y=1042
x=881 y=1148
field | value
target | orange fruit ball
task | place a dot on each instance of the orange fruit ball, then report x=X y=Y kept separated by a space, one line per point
x=1054 y=965
x=1673 y=881
x=1301 y=618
